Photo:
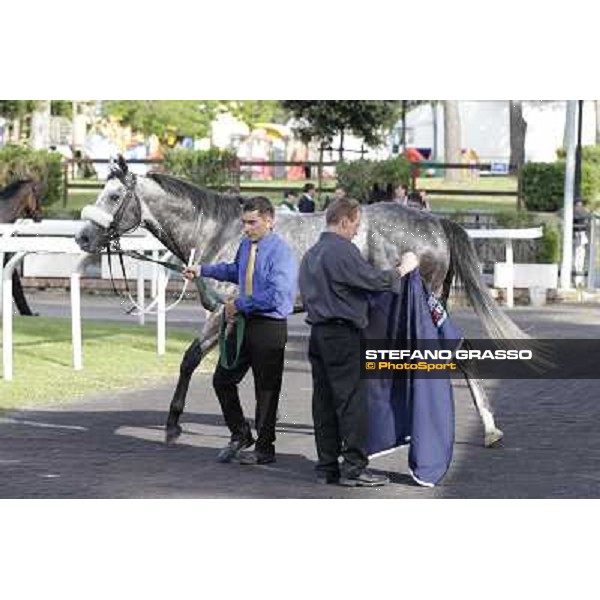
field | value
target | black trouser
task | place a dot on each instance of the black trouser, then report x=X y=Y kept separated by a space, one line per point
x=262 y=350
x=339 y=405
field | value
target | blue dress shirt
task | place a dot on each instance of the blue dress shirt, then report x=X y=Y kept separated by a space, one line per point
x=275 y=279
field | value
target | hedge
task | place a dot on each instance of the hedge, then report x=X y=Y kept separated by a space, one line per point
x=18 y=162
x=543 y=184
x=214 y=168
x=360 y=177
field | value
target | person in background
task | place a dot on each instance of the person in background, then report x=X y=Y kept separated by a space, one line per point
x=307 y=203
x=338 y=194
x=414 y=201
x=290 y=201
x=581 y=218
x=401 y=194
x=424 y=201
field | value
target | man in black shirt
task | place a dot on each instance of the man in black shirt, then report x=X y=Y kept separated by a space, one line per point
x=334 y=283
x=307 y=204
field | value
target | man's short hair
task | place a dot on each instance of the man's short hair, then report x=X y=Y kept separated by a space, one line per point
x=338 y=209
x=309 y=186
x=289 y=193
x=260 y=204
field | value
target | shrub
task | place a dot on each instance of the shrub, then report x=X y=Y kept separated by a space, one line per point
x=542 y=186
x=214 y=168
x=543 y=183
x=359 y=177
x=17 y=162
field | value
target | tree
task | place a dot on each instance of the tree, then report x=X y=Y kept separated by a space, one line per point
x=18 y=112
x=324 y=119
x=256 y=111
x=452 y=138
x=165 y=117
x=518 y=130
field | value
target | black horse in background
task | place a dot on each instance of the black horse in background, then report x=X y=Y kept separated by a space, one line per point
x=185 y=218
x=19 y=199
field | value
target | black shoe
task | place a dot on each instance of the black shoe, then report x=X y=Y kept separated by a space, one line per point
x=328 y=478
x=232 y=449
x=365 y=478
x=257 y=458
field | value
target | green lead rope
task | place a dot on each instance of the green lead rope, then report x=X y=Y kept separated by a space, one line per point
x=240 y=327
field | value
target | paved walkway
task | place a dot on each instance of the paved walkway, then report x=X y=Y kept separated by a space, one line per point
x=110 y=446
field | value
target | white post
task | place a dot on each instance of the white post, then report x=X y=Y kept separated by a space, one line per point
x=7 y=339
x=140 y=294
x=592 y=253
x=161 y=314
x=7 y=315
x=1 y=279
x=567 y=246
x=76 y=321
x=510 y=267
x=154 y=286
x=5 y=235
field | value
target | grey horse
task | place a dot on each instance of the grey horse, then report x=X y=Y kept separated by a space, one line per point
x=185 y=217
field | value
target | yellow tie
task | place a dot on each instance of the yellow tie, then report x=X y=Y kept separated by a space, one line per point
x=250 y=268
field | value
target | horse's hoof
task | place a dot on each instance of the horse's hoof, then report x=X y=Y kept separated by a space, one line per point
x=172 y=434
x=493 y=438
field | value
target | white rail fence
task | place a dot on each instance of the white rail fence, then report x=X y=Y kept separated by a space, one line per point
x=57 y=238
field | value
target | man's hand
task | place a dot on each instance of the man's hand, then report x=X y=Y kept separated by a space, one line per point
x=190 y=273
x=230 y=310
x=408 y=263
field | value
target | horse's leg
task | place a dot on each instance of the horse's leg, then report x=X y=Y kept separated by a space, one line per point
x=18 y=295
x=493 y=435
x=191 y=359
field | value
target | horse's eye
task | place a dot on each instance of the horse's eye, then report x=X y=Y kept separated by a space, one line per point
x=114 y=197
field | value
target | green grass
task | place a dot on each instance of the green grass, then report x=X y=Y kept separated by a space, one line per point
x=115 y=357
x=76 y=200
x=494 y=203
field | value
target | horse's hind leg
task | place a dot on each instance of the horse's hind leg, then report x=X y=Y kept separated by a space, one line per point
x=493 y=435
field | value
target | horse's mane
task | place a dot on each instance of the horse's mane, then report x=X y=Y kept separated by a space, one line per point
x=220 y=207
x=8 y=192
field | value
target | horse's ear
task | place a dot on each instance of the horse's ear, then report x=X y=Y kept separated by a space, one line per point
x=118 y=169
x=122 y=164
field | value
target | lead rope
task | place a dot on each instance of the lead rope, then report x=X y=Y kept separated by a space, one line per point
x=147 y=311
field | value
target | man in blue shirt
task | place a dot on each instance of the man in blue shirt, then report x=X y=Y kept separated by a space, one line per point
x=266 y=271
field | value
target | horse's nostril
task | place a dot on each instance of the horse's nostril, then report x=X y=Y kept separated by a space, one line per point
x=82 y=239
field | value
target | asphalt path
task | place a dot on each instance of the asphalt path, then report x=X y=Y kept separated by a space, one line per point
x=111 y=445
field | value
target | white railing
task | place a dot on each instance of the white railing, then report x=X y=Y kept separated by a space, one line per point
x=57 y=237
x=508 y=235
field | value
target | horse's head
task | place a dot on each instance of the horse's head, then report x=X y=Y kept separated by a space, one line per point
x=116 y=211
x=21 y=198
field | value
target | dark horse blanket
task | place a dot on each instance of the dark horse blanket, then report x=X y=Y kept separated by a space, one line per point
x=407 y=408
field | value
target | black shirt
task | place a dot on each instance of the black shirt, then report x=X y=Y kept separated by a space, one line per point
x=306 y=204
x=335 y=280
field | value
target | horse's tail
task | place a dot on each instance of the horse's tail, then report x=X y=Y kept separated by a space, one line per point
x=464 y=263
